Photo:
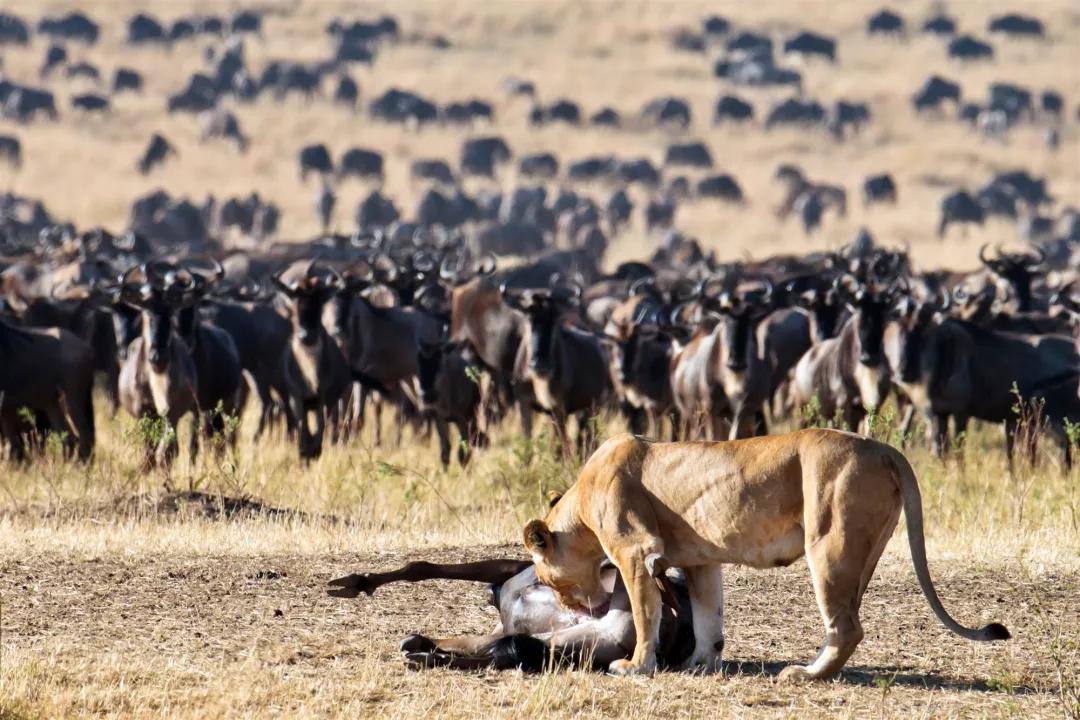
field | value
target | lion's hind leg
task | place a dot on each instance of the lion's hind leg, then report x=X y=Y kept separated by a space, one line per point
x=837 y=587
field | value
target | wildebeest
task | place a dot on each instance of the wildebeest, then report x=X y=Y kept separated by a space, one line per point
x=966 y=47
x=878 y=189
x=667 y=111
x=479 y=156
x=959 y=207
x=90 y=102
x=13 y=30
x=126 y=79
x=723 y=187
x=796 y=111
x=429 y=169
x=560 y=369
x=939 y=24
x=361 y=163
x=689 y=154
x=885 y=22
x=605 y=117
x=730 y=107
x=347 y=92
x=11 y=150
x=540 y=166
x=315 y=158
x=155 y=154
x=316 y=373
x=48 y=374
x=565 y=111
x=934 y=92
x=1016 y=24
x=73 y=26
x=808 y=43
x=220 y=123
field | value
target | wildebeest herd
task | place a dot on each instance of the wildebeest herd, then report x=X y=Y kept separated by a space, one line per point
x=473 y=305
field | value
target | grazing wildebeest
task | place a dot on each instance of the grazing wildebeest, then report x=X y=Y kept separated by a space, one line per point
x=479 y=156
x=939 y=24
x=878 y=189
x=50 y=374
x=73 y=26
x=1017 y=25
x=90 y=103
x=731 y=107
x=541 y=166
x=605 y=117
x=690 y=154
x=966 y=47
x=934 y=92
x=796 y=111
x=885 y=22
x=155 y=154
x=667 y=111
x=13 y=30
x=723 y=187
x=361 y=163
x=808 y=43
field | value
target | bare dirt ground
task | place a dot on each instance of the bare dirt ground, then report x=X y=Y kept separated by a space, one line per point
x=214 y=635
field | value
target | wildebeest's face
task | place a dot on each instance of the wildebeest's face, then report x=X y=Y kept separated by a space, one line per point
x=127 y=325
x=307 y=316
x=157 y=334
x=870 y=326
x=543 y=321
x=428 y=363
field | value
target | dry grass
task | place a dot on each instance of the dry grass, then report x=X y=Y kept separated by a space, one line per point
x=117 y=599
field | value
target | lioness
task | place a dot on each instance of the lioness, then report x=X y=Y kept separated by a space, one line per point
x=762 y=502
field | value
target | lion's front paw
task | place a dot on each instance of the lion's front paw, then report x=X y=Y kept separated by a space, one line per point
x=628 y=667
x=705 y=664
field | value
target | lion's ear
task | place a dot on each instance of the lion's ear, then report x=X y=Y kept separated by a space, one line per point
x=538 y=538
x=553 y=499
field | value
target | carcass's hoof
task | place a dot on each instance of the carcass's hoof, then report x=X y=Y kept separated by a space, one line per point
x=417 y=644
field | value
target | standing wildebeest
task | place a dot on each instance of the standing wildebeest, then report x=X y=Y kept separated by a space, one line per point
x=950 y=367
x=220 y=123
x=157 y=379
x=155 y=154
x=361 y=163
x=450 y=393
x=878 y=189
x=730 y=107
x=316 y=374
x=560 y=369
x=11 y=150
x=126 y=79
x=315 y=158
x=220 y=386
x=50 y=373
x=959 y=207
x=720 y=375
x=846 y=377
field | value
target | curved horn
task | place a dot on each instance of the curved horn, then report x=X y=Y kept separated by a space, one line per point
x=1036 y=261
x=487 y=264
x=451 y=266
x=982 y=254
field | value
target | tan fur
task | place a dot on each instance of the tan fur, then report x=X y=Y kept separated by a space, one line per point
x=763 y=502
x=307 y=362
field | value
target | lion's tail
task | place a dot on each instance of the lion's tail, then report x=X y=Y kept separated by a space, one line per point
x=912 y=499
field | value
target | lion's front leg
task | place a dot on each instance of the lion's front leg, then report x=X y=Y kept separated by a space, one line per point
x=646 y=609
x=706 y=585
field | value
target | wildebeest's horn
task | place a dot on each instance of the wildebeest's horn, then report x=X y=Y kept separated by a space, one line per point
x=944 y=299
x=982 y=254
x=287 y=288
x=451 y=266
x=1039 y=259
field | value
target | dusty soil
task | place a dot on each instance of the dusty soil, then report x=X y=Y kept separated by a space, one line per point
x=160 y=634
